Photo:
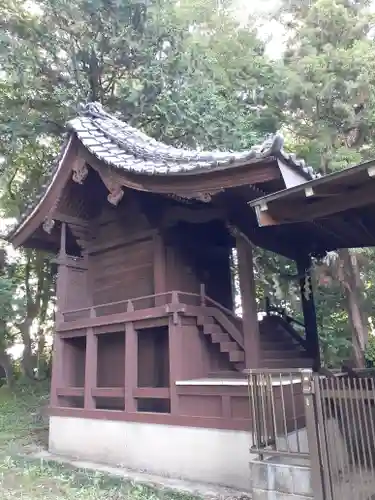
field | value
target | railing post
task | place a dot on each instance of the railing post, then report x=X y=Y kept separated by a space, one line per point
x=131 y=363
x=309 y=396
x=202 y=292
x=90 y=368
x=175 y=354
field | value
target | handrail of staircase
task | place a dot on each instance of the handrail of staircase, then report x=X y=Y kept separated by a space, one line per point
x=287 y=324
x=290 y=319
x=228 y=325
x=293 y=333
x=221 y=313
x=222 y=308
x=282 y=312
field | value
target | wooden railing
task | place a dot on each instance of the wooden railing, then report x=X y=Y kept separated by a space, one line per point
x=121 y=306
x=157 y=305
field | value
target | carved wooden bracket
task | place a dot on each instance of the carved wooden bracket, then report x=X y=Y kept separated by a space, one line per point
x=80 y=172
x=114 y=187
x=115 y=195
x=48 y=225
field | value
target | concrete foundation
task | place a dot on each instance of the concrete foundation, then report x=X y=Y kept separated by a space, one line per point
x=274 y=480
x=214 y=456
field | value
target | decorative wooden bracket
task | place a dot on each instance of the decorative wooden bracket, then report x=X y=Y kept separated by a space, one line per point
x=80 y=172
x=115 y=195
x=114 y=187
x=48 y=225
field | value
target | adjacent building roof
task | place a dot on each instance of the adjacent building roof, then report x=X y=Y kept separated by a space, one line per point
x=340 y=205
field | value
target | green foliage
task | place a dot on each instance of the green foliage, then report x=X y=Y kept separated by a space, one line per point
x=183 y=71
x=370 y=351
x=188 y=74
x=329 y=81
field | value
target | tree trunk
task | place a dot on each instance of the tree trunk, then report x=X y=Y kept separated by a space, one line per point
x=6 y=363
x=27 y=361
x=353 y=296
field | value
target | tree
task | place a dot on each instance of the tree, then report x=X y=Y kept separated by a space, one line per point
x=329 y=109
x=185 y=72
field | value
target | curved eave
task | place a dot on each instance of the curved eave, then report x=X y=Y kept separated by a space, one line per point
x=49 y=193
x=177 y=183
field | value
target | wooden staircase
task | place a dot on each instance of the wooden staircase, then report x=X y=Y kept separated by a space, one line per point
x=280 y=347
x=217 y=334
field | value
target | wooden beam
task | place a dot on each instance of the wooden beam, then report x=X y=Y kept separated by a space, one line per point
x=192 y=184
x=57 y=367
x=265 y=219
x=249 y=306
x=302 y=212
x=175 y=214
x=309 y=312
x=69 y=219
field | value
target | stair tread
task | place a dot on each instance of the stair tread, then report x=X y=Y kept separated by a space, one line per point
x=229 y=346
x=210 y=329
x=288 y=363
x=282 y=354
x=236 y=356
x=220 y=337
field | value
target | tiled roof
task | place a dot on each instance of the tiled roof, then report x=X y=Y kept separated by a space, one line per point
x=121 y=146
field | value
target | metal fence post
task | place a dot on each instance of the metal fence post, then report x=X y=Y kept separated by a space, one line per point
x=309 y=396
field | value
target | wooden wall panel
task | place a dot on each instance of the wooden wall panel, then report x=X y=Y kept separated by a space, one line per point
x=111 y=360
x=122 y=273
x=76 y=296
x=153 y=357
x=180 y=274
x=210 y=406
x=122 y=255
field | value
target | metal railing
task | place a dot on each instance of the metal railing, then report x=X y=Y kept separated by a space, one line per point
x=329 y=419
x=345 y=413
x=277 y=412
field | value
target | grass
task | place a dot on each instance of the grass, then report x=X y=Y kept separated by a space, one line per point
x=23 y=430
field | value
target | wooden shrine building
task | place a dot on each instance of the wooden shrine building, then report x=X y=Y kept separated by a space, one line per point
x=148 y=351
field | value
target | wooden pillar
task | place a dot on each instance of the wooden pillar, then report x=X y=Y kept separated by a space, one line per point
x=62 y=276
x=57 y=369
x=309 y=312
x=131 y=367
x=91 y=364
x=160 y=269
x=57 y=376
x=249 y=306
x=175 y=354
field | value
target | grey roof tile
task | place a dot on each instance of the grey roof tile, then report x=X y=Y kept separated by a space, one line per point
x=119 y=137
